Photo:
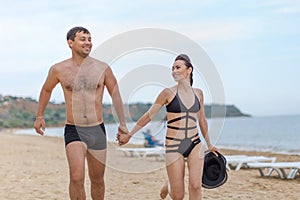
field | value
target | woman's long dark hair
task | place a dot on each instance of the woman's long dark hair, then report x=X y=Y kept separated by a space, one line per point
x=187 y=63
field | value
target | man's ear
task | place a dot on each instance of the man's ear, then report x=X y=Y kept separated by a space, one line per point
x=70 y=43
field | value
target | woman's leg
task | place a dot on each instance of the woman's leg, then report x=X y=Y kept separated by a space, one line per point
x=195 y=167
x=175 y=170
x=164 y=191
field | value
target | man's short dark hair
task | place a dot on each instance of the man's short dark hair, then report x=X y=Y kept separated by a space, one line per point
x=72 y=32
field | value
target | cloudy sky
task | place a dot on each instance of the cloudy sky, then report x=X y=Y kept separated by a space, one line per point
x=254 y=45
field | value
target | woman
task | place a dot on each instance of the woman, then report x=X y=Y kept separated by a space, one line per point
x=185 y=106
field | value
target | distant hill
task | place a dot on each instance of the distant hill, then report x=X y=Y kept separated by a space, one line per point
x=19 y=112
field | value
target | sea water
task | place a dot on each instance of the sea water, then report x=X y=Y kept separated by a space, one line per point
x=279 y=134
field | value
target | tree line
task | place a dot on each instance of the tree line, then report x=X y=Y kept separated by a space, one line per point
x=19 y=112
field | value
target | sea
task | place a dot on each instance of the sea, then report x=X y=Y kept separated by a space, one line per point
x=277 y=134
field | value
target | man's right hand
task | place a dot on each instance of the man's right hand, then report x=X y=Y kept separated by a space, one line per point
x=122 y=136
x=39 y=125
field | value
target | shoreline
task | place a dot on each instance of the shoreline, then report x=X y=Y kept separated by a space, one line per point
x=258 y=151
x=35 y=167
x=28 y=131
x=222 y=148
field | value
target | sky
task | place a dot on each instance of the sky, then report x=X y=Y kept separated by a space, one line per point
x=254 y=45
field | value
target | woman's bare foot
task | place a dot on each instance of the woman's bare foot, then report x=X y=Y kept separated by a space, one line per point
x=164 y=190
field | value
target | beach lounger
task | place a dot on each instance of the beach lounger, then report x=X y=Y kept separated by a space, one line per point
x=156 y=152
x=238 y=161
x=230 y=158
x=143 y=152
x=285 y=170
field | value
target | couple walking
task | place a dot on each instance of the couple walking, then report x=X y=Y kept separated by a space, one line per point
x=83 y=80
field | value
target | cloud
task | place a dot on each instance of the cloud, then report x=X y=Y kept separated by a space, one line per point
x=220 y=30
x=288 y=10
x=283 y=6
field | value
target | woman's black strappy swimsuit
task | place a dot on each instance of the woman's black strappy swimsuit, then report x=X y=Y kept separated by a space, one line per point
x=187 y=144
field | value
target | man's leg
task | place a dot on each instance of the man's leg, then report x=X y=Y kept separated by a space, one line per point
x=96 y=164
x=76 y=152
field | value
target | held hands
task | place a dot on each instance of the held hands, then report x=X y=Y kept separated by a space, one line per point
x=39 y=125
x=122 y=136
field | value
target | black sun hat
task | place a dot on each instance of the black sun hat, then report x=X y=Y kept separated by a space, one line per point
x=214 y=171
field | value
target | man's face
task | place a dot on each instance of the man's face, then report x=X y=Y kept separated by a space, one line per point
x=82 y=43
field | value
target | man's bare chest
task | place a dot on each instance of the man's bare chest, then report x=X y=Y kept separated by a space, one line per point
x=82 y=80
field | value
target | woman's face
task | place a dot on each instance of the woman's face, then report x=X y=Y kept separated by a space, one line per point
x=180 y=71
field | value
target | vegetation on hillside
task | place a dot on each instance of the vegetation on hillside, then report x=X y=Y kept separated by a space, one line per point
x=18 y=112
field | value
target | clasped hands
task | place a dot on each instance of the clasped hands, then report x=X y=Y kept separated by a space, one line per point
x=123 y=135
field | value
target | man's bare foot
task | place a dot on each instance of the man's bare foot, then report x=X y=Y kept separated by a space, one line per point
x=164 y=190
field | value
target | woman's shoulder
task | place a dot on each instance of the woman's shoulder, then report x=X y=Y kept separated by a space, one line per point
x=169 y=91
x=198 y=90
x=198 y=93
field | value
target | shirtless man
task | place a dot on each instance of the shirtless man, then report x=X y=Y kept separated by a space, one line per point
x=83 y=79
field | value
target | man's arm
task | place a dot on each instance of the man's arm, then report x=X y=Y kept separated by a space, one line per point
x=113 y=90
x=44 y=98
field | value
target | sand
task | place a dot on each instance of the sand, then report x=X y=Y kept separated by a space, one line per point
x=35 y=167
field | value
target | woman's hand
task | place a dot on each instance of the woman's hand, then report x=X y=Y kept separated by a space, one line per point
x=213 y=149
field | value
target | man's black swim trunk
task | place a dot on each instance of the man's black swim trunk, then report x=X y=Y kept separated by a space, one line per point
x=93 y=136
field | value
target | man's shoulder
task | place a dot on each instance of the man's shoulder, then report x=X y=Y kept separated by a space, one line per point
x=98 y=62
x=61 y=64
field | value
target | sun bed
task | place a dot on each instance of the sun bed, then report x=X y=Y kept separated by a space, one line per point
x=239 y=161
x=285 y=170
x=143 y=152
x=156 y=152
x=230 y=158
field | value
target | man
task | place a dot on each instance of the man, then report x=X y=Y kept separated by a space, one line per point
x=83 y=79
x=150 y=140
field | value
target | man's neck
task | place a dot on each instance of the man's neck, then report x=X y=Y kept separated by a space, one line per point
x=78 y=60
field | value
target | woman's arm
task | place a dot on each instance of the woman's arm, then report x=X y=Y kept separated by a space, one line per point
x=160 y=101
x=203 y=122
